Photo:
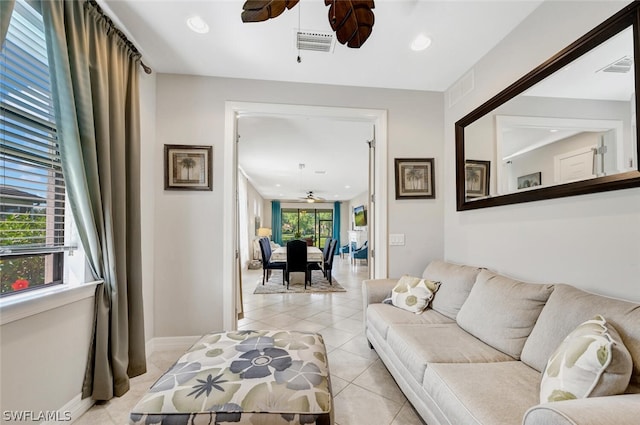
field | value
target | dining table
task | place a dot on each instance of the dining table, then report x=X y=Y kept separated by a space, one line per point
x=314 y=254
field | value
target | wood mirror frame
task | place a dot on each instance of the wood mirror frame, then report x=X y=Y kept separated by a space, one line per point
x=629 y=16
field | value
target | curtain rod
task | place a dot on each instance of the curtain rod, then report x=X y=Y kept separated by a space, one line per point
x=122 y=35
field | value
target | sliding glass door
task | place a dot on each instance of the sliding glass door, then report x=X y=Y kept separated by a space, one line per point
x=315 y=225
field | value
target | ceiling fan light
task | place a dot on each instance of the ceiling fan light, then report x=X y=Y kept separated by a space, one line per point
x=421 y=42
x=197 y=24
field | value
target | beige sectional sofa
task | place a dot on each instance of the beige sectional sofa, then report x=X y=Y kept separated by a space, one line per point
x=476 y=356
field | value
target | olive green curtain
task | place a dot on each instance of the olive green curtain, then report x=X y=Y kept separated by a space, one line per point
x=6 y=8
x=96 y=97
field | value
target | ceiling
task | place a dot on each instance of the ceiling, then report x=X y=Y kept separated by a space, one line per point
x=285 y=157
x=461 y=33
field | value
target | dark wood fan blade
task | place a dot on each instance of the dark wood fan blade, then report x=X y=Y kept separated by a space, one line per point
x=261 y=10
x=352 y=20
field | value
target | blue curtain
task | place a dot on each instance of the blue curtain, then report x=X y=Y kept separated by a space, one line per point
x=336 y=223
x=276 y=222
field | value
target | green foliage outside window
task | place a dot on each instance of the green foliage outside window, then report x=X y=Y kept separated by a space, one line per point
x=19 y=273
x=306 y=223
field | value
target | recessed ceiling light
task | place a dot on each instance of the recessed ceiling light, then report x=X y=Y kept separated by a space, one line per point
x=347 y=187
x=278 y=185
x=421 y=42
x=197 y=24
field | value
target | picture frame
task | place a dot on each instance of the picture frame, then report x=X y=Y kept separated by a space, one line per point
x=477 y=178
x=188 y=167
x=415 y=178
x=530 y=180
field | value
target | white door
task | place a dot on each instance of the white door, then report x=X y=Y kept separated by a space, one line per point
x=372 y=210
x=574 y=166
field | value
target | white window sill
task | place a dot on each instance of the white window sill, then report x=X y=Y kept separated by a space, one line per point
x=20 y=306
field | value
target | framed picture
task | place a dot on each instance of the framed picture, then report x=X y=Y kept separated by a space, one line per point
x=414 y=178
x=530 y=180
x=188 y=167
x=477 y=178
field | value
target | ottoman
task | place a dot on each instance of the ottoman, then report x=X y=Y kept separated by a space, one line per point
x=243 y=377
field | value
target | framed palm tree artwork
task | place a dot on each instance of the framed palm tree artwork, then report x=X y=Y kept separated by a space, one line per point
x=477 y=178
x=414 y=178
x=188 y=167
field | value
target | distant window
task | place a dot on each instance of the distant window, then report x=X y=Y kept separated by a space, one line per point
x=32 y=191
x=307 y=223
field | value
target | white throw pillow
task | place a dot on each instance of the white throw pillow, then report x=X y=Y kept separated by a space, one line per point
x=413 y=293
x=591 y=361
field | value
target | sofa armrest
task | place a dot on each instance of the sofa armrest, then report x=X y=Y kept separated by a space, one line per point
x=376 y=290
x=620 y=410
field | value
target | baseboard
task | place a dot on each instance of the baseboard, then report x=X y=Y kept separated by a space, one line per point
x=170 y=343
x=71 y=411
x=149 y=347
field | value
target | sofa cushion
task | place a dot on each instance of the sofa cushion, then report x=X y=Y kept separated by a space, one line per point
x=591 y=361
x=566 y=308
x=413 y=293
x=490 y=393
x=455 y=283
x=380 y=316
x=501 y=311
x=418 y=345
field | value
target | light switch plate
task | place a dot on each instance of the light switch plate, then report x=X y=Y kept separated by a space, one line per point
x=396 y=239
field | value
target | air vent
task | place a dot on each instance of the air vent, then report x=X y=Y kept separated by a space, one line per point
x=461 y=88
x=314 y=40
x=621 y=66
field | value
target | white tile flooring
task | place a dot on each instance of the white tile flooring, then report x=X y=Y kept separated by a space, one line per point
x=364 y=391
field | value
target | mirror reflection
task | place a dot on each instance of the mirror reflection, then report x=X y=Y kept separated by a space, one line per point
x=577 y=124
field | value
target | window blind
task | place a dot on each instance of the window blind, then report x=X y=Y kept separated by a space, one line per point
x=32 y=191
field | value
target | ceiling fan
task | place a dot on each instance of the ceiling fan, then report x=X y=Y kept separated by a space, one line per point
x=311 y=198
x=352 y=20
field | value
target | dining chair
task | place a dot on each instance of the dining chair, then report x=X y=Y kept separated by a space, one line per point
x=328 y=263
x=325 y=257
x=267 y=264
x=297 y=260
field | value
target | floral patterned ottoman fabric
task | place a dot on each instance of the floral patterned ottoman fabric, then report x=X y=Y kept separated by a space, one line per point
x=243 y=377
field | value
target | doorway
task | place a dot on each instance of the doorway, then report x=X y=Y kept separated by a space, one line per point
x=236 y=110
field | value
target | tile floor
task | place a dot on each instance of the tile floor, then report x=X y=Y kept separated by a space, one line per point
x=364 y=391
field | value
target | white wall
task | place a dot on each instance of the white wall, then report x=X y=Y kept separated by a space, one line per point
x=43 y=357
x=148 y=181
x=255 y=208
x=190 y=110
x=588 y=241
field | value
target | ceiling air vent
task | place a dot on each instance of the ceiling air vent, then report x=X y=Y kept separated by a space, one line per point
x=315 y=41
x=621 y=66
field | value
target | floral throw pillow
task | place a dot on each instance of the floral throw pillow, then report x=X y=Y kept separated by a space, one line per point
x=413 y=293
x=591 y=361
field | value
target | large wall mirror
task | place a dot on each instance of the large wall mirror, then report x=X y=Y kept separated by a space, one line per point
x=566 y=128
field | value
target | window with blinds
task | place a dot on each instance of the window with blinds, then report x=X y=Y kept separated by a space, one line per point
x=32 y=192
